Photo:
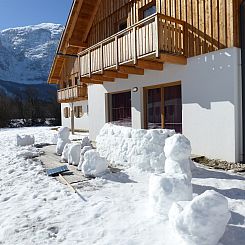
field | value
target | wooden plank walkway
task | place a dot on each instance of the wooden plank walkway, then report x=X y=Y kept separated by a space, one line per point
x=51 y=160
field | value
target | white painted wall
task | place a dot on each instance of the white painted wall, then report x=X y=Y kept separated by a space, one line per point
x=79 y=123
x=211 y=92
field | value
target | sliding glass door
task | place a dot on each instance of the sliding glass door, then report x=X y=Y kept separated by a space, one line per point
x=164 y=107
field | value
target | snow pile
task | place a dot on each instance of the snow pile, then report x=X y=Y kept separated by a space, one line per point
x=55 y=139
x=166 y=189
x=25 y=140
x=201 y=221
x=94 y=165
x=85 y=142
x=138 y=147
x=177 y=151
x=74 y=154
x=175 y=184
x=83 y=151
x=65 y=152
x=63 y=139
x=29 y=153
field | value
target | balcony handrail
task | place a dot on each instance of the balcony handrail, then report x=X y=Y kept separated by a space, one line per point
x=130 y=28
x=70 y=87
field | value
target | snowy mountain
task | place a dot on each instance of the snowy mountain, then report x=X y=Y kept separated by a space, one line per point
x=26 y=53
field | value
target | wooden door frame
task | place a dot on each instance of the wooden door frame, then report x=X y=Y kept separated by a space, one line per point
x=145 y=99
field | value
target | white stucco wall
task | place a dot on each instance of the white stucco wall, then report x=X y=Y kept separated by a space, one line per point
x=79 y=123
x=211 y=87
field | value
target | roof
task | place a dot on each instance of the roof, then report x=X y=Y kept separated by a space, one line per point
x=73 y=39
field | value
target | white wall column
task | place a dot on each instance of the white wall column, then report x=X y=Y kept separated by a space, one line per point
x=137 y=108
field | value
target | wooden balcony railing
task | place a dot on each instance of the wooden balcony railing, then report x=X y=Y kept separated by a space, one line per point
x=72 y=94
x=149 y=37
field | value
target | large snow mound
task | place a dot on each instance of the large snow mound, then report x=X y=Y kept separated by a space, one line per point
x=166 y=189
x=25 y=140
x=138 y=147
x=201 y=221
x=93 y=164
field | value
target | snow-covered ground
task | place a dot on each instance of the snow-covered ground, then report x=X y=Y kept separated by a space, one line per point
x=113 y=210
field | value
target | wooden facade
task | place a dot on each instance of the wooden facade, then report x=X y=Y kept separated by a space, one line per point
x=113 y=38
x=211 y=24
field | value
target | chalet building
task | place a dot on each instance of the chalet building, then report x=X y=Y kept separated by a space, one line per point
x=156 y=64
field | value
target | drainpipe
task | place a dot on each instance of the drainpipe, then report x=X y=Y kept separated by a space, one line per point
x=242 y=41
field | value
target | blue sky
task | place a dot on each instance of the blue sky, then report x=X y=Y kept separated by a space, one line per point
x=15 y=13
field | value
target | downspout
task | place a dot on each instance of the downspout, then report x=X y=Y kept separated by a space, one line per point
x=242 y=42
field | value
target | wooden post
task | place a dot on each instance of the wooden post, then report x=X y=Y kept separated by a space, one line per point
x=72 y=118
x=102 y=59
x=135 y=45
x=116 y=52
x=157 y=38
x=185 y=40
x=89 y=63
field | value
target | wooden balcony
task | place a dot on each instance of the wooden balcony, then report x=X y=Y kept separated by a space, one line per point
x=144 y=45
x=72 y=94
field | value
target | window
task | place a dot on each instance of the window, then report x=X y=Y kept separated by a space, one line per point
x=164 y=107
x=148 y=10
x=66 y=112
x=123 y=25
x=76 y=80
x=78 y=111
x=120 y=108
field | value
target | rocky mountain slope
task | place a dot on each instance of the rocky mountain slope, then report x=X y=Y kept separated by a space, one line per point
x=26 y=53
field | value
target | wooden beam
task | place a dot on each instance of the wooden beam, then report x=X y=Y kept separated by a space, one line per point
x=89 y=80
x=131 y=70
x=174 y=59
x=90 y=21
x=150 y=65
x=114 y=74
x=72 y=23
x=102 y=78
x=77 y=44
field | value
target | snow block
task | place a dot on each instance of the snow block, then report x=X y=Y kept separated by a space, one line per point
x=134 y=147
x=85 y=142
x=74 y=154
x=201 y=221
x=55 y=139
x=63 y=133
x=83 y=151
x=177 y=147
x=63 y=139
x=165 y=189
x=178 y=151
x=25 y=140
x=93 y=164
x=61 y=145
x=65 y=152
x=178 y=167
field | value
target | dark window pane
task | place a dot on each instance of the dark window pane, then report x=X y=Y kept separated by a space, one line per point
x=154 y=108
x=122 y=26
x=173 y=108
x=121 y=108
x=151 y=10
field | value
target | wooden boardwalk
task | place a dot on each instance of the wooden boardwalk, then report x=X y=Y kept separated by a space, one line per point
x=51 y=160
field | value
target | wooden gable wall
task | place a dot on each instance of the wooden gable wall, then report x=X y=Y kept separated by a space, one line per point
x=212 y=24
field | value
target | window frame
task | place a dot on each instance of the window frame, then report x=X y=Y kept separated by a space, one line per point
x=145 y=7
x=145 y=94
x=109 y=103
